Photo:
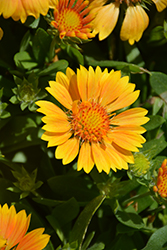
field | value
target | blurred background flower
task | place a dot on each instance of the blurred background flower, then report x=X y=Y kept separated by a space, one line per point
x=134 y=23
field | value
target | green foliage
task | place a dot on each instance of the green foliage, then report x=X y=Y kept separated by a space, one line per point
x=82 y=211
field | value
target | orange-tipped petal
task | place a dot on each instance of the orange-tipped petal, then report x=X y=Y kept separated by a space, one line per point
x=34 y=240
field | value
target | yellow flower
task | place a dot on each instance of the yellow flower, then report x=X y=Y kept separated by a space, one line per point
x=13 y=227
x=161 y=186
x=160 y=4
x=72 y=19
x=134 y=23
x=89 y=125
x=20 y=9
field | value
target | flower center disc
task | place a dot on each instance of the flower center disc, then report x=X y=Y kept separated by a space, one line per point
x=69 y=20
x=162 y=187
x=90 y=122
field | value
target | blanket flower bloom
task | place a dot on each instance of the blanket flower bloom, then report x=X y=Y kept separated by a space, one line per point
x=89 y=126
x=135 y=21
x=13 y=227
x=72 y=19
x=161 y=186
x=20 y=9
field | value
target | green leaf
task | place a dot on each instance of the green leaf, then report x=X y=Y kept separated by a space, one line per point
x=75 y=54
x=97 y=246
x=69 y=246
x=81 y=225
x=158 y=103
x=153 y=147
x=158 y=82
x=118 y=65
x=48 y=202
x=128 y=217
x=24 y=61
x=157 y=36
x=158 y=240
x=54 y=67
x=65 y=187
x=40 y=45
x=25 y=41
x=66 y=211
x=154 y=122
x=87 y=241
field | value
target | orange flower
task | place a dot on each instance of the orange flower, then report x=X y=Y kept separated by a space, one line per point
x=72 y=19
x=134 y=23
x=20 y=9
x=161 y=186
x=13 y=227
x=89 y=126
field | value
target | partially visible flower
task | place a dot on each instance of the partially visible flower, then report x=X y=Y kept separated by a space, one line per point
x=13 y=228
x=134 y=23
x=72 y=19
x=160 y=4
x=1 y=33
x=161 y=185
x=141 y=164
x=89 y=126
x=20 y=9
x=26 y=182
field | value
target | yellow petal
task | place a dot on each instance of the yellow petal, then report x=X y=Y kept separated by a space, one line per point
x=160 y=4
x=20 y=228
x=134 y=24
x=85 y=159
x=82 y=81
x=60 y=93
x=134 y=116
x=49 y=108
x=93 y=85
x=117 y=162
x=128 y=140
x=126 y=155
x=53 y=3
x=20 y=13
x=106 y=20
x=133 y=128
x=54 y=124
x=7 y=8
x=125 y=99
x=36 y=7
x=62 y=79
x=1 y=33
x=73 y=88
x=69 y=73
x=101 y=158
x=55 y=139
x=34 y=240
x=68 y=150
x=113 y=88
